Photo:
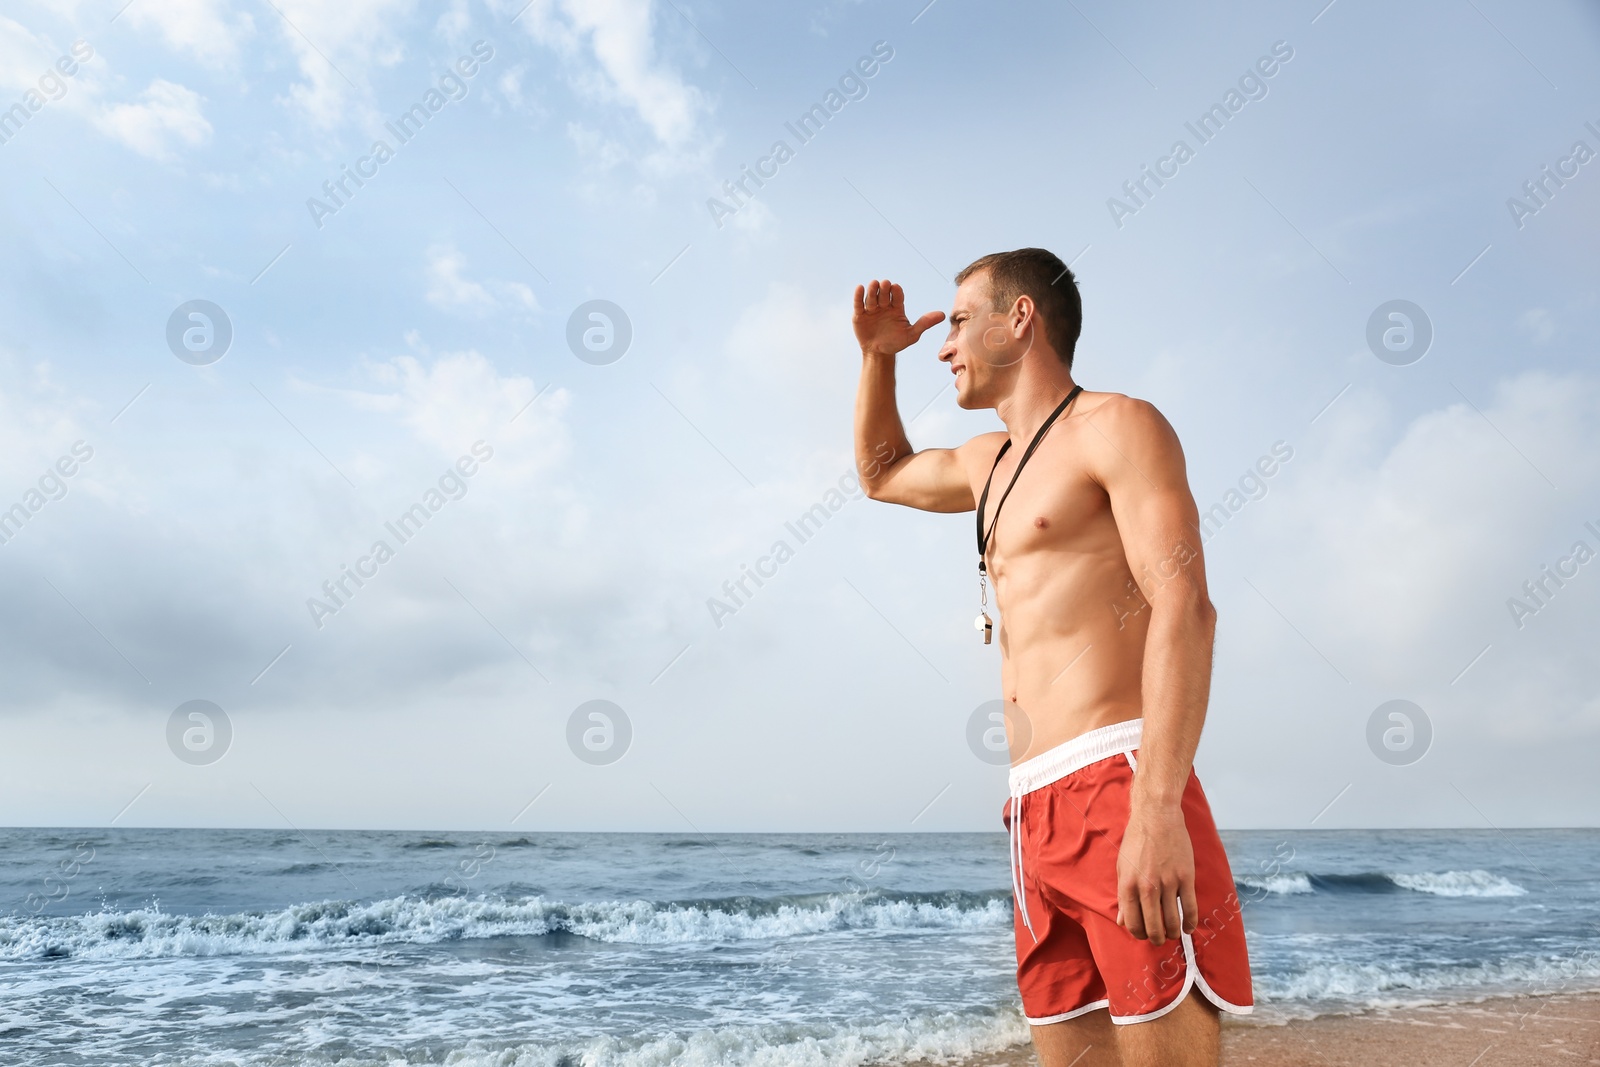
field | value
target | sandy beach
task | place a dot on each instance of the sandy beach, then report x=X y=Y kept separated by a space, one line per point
x=1507 y=1032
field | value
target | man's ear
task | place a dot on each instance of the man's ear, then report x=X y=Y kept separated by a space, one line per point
x=1023 y=316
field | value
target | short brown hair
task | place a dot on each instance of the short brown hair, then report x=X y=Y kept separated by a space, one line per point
x=1041 y=276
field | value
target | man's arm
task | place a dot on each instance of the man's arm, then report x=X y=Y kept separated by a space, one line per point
x=1142 y=469
x=933 y=479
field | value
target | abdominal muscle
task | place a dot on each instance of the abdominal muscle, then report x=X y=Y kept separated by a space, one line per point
x=1072 y=637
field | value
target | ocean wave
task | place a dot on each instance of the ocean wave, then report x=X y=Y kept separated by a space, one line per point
x=1475 y=883
x=1376 y=984
x=937 y=1038
x=1460 y=884
x=1282 y=884
x=947 y=1037
x=302 y=868
x=148 y=933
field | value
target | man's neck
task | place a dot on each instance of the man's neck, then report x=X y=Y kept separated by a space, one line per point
x=1041 y=385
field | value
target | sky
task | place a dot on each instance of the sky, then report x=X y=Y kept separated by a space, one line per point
x=277 y=276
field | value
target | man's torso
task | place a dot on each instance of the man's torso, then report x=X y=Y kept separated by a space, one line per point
x=1072 y=623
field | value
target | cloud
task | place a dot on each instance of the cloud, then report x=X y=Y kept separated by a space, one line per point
x=449 y=288
x=617 y=33
x=1538 y=324
x=831 y=13
x=460 y=397
x=1418 y=545
x=27 y=59
x=510 y=86
x=23 y=57
x=167 y=112
x=198 y=27
x=798 y=342
x=335 y=42
x=35 y=424
x=754 y=218
x=597 y=150
x=455 y=23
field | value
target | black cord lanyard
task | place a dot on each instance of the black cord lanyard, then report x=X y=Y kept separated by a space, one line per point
x=983 y=538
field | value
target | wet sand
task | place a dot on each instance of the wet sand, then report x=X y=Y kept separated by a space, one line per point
x=1504 y=1032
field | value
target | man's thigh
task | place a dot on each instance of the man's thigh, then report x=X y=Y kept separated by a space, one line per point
x=1087 y=1041
x=1190 y=1035
x=1187 y=1036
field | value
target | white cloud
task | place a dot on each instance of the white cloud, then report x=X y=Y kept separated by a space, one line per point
x=460 y=397
x=28 y=59
x=23 y=57
x=35 y=425
x=198 y=27
x=455 y=23
x=336 y=42
x=618 y=35
x=830 y=14
x=510 y=86
x=1538 y=324
x=166 y=112
x=597 y=150
x=518 y=293
x=754 y=218
x=451 y=290
x=795 y=339
x=447 y=288
x=1418 y=545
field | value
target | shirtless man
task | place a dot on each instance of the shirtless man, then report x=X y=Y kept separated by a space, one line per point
x=1123 y=896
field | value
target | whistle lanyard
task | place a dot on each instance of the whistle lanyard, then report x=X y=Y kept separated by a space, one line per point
x=984 y=538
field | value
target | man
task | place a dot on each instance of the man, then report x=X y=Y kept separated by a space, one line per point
x=1123 y=896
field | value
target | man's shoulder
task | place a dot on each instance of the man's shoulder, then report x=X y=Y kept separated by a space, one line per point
x=1130 y=435
x=977 y=454
x=984 y=442
x=1119 y=407
x=1123 y=420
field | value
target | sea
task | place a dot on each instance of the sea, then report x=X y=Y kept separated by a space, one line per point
x=355 y=948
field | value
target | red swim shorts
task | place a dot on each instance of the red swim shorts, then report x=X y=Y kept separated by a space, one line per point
x=1067 y=813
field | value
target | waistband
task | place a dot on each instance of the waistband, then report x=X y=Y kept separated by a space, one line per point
x=1074 y=755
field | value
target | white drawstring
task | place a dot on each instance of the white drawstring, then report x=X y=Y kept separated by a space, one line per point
x=1018 y=887
x=1052 y=766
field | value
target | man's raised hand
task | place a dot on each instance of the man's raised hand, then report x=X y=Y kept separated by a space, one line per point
x=880 y=319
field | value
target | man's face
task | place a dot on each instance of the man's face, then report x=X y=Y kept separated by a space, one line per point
x=985 y=345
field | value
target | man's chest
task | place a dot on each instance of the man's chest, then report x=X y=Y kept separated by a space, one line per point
x=1054 y=505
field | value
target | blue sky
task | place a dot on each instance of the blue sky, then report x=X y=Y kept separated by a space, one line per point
x=373 y=346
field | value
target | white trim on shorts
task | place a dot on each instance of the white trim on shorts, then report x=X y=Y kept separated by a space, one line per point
x=1074 y=755
x=1192 y=978
x=1064 y=1016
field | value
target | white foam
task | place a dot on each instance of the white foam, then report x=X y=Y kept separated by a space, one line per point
x=1459 y=884
x=151 y=933
x=1374 y=985
x=1284 y=884
x=935 y=1038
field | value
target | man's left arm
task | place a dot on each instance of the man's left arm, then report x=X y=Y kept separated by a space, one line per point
x=1143 y=472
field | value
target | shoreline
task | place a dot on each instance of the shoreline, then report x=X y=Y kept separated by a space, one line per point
x=1505 y=1031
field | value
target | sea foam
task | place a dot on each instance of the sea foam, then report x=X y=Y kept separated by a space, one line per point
x=940 y=1038
x=1459 y=884
x=149 y=933
x=1373 y=984
x=1474 y=883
